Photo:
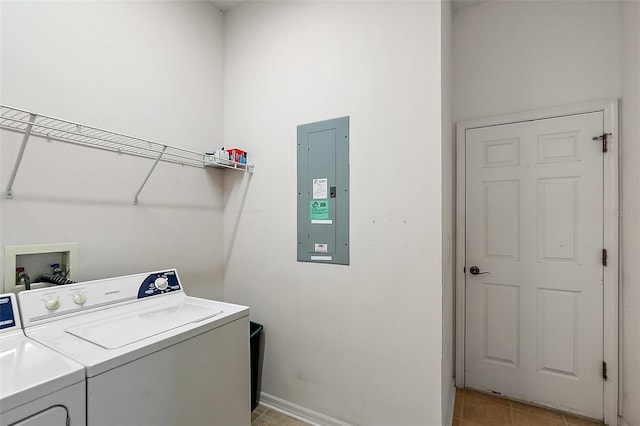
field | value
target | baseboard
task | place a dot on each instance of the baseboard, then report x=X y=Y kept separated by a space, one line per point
x=447 y=417
x=298 y=412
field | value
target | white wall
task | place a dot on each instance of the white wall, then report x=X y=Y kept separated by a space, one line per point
x=515 y=56
x=520 y=55
x=149 y=69
x=630 y=212
x=448 y=214
x=361 y=343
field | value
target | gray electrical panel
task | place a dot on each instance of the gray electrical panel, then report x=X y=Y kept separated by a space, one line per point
x=323 y=191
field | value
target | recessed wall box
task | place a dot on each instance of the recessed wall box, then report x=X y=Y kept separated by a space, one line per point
x=37 y=259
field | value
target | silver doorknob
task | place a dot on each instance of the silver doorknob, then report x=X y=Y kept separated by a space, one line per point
x=474 y=270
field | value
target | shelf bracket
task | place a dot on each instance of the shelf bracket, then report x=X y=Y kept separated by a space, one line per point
x=16 y=166
x=135 y=200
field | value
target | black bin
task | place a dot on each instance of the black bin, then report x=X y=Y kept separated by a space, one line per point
x=255 y=334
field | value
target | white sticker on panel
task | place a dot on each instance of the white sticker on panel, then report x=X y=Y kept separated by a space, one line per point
x=320 y=188
x=321 y=248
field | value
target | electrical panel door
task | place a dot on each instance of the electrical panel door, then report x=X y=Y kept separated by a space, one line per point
x=323 y=191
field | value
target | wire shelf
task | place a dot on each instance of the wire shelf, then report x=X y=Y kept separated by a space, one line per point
x=18 y=120
x=51 y=128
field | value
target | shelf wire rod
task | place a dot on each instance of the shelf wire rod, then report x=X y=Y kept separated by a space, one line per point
x=46 y=121
x=130 y=139
x=51 y=136
x=179 y=156
x=135 y=200
x=99 y=133
x=182 y=157
x=63 y=134
x=51 y=128
x=119 y=139
x=120 y=148
x=58 y=127
x=19 y=123
x=16 y=166
x=15 y=113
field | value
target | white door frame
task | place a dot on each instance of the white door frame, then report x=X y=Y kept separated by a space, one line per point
x=611 y=186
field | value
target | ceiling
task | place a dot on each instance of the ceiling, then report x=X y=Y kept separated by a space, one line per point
x=461 y=4
x=225 y=5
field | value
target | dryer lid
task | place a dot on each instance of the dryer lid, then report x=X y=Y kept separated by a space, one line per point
x=113 y=333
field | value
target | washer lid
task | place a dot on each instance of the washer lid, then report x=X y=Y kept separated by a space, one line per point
x=31 y=371
x=113 y=333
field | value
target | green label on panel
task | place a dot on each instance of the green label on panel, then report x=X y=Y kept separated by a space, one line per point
x=318 y=209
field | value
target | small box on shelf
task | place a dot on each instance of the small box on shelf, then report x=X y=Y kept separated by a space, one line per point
x=233 y=158
x=237 y=155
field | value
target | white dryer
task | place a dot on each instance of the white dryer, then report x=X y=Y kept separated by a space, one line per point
x=153 y=355
x=38 y=386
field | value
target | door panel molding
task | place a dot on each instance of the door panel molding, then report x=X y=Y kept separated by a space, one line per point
x=609 y=107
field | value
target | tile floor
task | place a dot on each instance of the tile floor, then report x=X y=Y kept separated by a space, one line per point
x=471 y=409
x=478 y=409
x=263 y=416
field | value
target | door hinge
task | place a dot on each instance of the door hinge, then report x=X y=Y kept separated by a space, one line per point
x=605 y=142
x=604 y=370
x=604 y=257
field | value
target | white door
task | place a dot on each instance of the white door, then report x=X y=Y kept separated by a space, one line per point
x=534 y=221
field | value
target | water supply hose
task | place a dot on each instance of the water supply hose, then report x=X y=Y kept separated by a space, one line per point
x=54 y=279
x=24 y=279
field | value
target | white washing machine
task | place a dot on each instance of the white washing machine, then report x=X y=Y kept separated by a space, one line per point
x=153 y=355
x=38 y=386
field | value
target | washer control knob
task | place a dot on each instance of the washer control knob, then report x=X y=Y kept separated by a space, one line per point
x=161 y=283
x=79 y=298
x=52 y=304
